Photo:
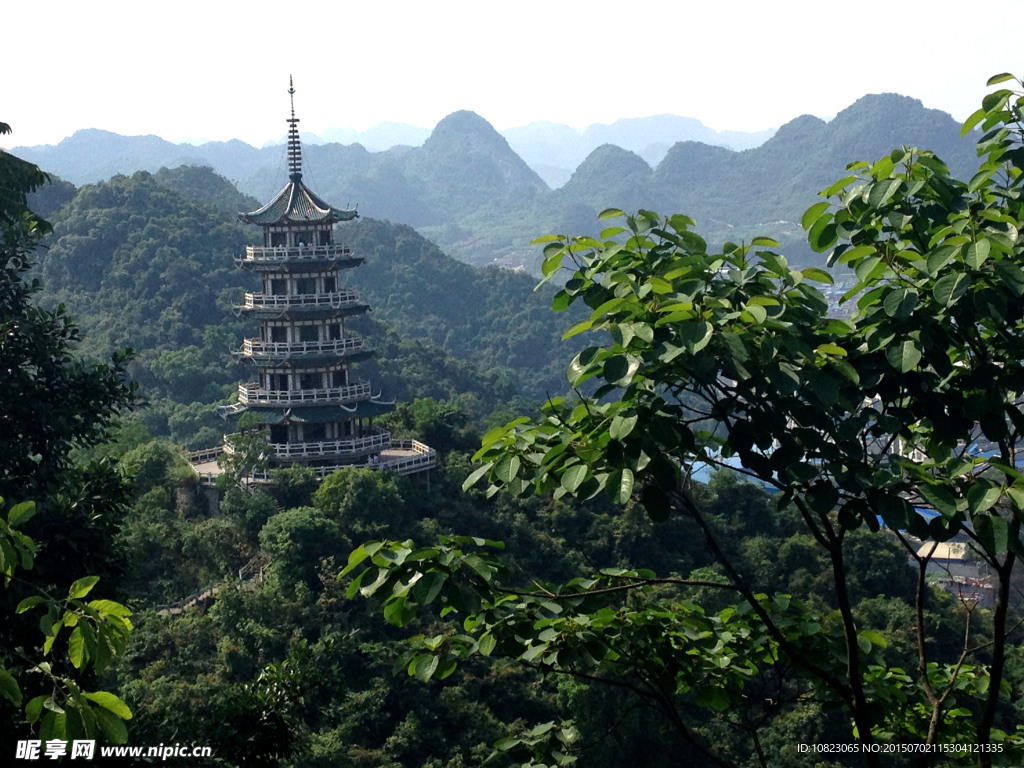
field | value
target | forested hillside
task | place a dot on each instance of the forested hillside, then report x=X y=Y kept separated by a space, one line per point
x=468 y=191
x=750 y=532
x=147 y=262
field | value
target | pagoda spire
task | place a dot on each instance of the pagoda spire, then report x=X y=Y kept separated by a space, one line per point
x=294 y=147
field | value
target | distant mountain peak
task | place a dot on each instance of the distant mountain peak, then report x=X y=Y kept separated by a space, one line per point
x=463 y=125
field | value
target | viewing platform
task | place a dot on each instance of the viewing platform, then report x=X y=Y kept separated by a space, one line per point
x=300 y=302
x=379 y=441
x=251 y=394
x=257 y=348
x=278 y=255
x=404 y=457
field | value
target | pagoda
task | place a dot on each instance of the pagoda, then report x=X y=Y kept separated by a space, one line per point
x=305 y=395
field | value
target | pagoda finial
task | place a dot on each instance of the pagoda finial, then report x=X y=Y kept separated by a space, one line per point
x=294 y=147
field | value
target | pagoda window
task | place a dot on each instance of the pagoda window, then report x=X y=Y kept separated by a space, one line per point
x=313 y=432
x=308 y=381
x=278 y=287
x=308 y=333
x=304 y=238
x=346 y=429
x=279 y=334
x=330 y=284
x=334 y=331
x=305 y=285
x=278 y=381
x=279 y=433
x=278 y=239
x=325 y=237
x=338 y=378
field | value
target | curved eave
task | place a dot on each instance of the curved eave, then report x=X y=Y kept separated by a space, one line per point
x=315 y=313
x=300 y=266
x=310 y=360
x=317 y=414
x=296 y=204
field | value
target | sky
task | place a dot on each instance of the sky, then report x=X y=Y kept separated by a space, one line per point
x=218 y=69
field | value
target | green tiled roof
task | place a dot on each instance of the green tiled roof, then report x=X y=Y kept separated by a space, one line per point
x=295 y=204
x=322 y=413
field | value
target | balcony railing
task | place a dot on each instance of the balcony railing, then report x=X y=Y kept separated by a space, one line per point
x=404 y=457
x=252 y=394
x=335 y=300
x=260 y=348
x=376 y=442
x=265 y=254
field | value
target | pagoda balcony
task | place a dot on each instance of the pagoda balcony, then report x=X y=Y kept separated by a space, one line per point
x=378 y=440
x=284 y=303
x=257 y=348
x=256 y=255
x=252 y=394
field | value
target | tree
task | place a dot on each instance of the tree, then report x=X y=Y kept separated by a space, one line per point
x=54 y=404
x=732 y=359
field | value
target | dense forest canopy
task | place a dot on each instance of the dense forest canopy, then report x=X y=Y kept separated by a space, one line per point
x=642 y=611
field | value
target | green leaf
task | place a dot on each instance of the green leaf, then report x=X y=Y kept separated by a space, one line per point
x=110 y=702
x=940 y=498
x=940 y=257
x=111 y=607
x=1011 y=275
x=822 y=235
x=423 y=667
x=610 y=213
x=874 y=637
x=622 y=425
x=949 y=289
x=694 y=335
x=620 y=485
x=34 y=709
x=574 y=476
x=112 y=725
x=9 y=688
x=982 y=496
x=976 y=117
x=507 y=468
x=487 y=644
x=76 y=648
x=19 y=513
x=811 y=214
x=903 y=357
x=28 y=603
x=1000 y=78
x=837 y=187
x=977 y=253
x=818 y=275
x=575 y=328
x=475 y=476
x=82 y=587
x=830 y=349
x=993 y=533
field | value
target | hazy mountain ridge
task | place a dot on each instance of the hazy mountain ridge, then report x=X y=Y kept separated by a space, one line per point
x=468 y=190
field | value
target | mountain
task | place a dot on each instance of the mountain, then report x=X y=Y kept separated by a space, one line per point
x=764 y=190
x=378 y=138
x=554 y=150
x=467 y=188
x=465 y=161
x=147 y=261
x=92 y=154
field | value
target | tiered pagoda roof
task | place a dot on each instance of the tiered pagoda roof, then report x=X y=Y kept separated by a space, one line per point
x=296 y=203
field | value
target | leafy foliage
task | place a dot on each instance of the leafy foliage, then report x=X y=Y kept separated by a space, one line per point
x=731 y=359
x=57 y=404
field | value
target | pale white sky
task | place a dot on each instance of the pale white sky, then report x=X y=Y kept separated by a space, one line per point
x=218 y=69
